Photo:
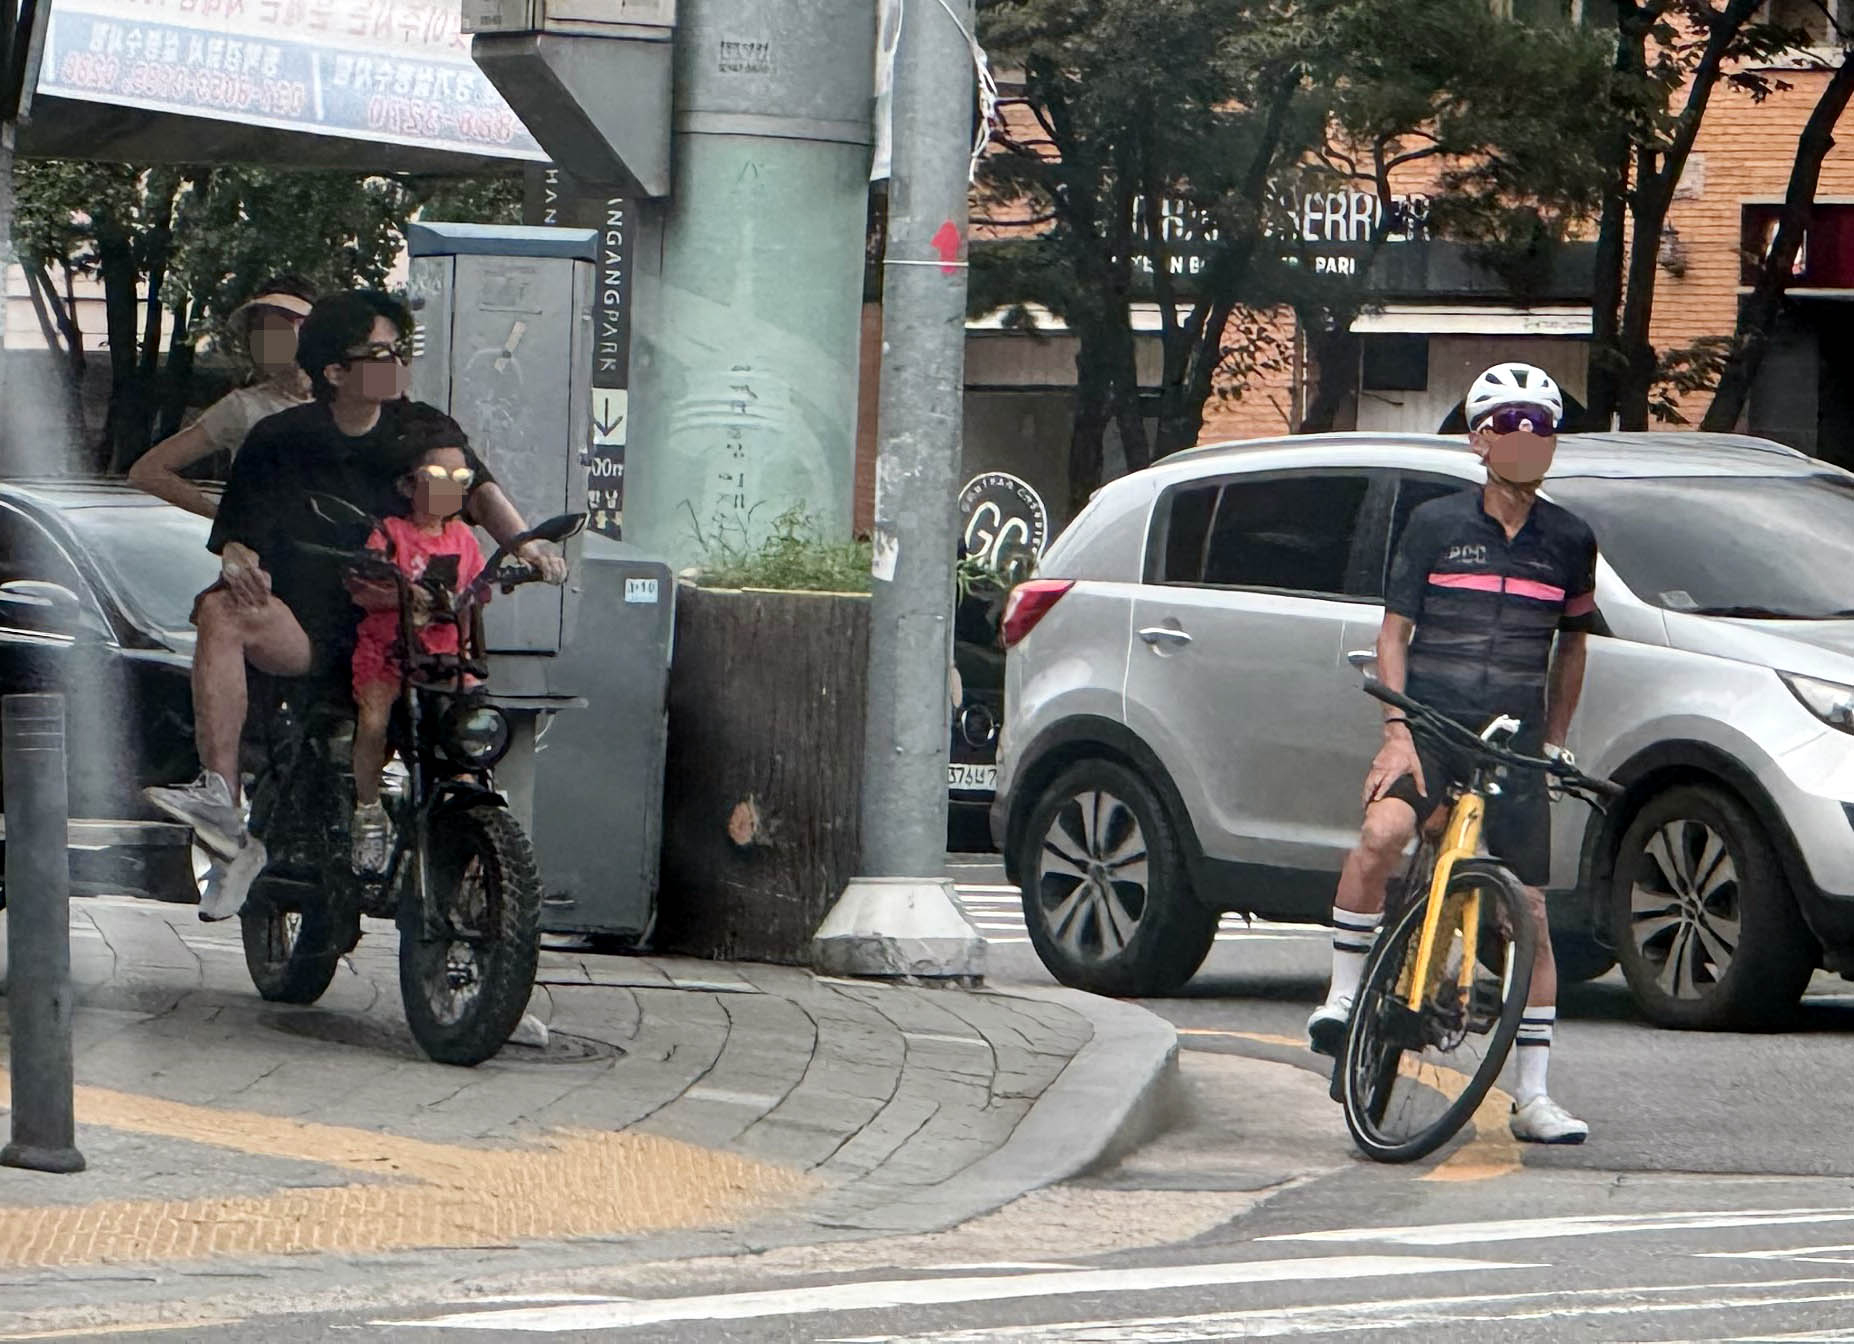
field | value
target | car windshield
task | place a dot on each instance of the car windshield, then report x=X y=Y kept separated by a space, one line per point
x=155 y=559
x=1771 y=547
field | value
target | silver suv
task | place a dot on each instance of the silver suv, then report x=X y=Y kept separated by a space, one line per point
x=1185 y=734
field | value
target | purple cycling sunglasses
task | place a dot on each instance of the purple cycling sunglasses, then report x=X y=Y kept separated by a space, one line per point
x=1514 y=419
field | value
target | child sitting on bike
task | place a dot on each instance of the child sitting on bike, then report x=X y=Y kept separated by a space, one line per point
x=432 y=546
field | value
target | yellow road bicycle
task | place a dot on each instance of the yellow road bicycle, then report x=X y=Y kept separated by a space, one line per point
x=1445 y=985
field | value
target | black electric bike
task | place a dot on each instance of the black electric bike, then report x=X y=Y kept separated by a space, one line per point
x=461 y=882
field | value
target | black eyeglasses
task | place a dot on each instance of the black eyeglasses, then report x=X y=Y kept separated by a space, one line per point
x=378 y=352
x=1517 y=419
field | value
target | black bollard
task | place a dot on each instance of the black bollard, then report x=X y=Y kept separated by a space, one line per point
x=38 y=927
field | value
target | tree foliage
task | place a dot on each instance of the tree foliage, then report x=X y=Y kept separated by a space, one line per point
x=194 y=242
x=1144 y=130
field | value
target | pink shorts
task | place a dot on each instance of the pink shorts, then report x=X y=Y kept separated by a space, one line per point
x=374 y=664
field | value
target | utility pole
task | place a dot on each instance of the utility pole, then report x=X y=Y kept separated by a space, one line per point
x=901 y=918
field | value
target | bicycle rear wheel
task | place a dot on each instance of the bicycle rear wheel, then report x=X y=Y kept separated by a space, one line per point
x=1410 y=1078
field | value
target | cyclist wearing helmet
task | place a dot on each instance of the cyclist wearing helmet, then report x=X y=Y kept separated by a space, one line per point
x=1483 y=584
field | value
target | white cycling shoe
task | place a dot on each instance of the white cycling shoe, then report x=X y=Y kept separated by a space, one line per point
x=1543 y=1120
x=1326 y=1027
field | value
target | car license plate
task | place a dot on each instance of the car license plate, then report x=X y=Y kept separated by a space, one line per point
x=971 y=778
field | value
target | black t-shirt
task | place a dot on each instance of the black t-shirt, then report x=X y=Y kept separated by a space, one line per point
x=266 y=507
x=1486 y=609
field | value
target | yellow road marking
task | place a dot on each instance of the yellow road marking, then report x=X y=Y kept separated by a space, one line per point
x=136 y=1327
x=1492 y=1152
x=565 y=1184
x=1261 y=1036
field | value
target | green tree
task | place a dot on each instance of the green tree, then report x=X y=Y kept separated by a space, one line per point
x=1145 y=131
x=1670 y=58
x=193 y=243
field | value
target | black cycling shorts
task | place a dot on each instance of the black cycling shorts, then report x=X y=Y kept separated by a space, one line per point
x=1518 y=827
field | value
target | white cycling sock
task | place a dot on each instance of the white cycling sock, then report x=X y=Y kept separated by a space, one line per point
x=1533 y=1052
x=1352 y=934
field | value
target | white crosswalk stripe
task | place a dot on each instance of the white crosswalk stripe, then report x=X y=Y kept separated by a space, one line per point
x=998 y=912
x=888 y=1294
x=1506 y=1310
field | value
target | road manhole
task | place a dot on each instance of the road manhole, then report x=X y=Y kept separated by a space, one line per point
x=394 y=1038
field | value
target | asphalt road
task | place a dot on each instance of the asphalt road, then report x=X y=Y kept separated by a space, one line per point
x=1714 y=1201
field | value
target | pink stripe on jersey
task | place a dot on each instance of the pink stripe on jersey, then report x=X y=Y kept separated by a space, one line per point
x=1493 y=583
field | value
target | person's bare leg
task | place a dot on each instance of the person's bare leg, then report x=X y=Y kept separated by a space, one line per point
x=1390 y=825
x=376 y=706
x=1537 y=1027
x=230 y=635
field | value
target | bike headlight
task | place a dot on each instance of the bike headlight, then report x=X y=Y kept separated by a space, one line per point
x=477 y=734
x=1829 y=701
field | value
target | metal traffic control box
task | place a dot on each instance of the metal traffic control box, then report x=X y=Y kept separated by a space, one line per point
x=598 y=789
x=505 y=344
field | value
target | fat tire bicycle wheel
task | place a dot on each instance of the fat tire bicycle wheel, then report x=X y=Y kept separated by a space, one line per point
x=1398 y=1073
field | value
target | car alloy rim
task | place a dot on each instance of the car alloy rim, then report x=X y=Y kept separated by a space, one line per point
x=1091 y=885
x=1684 y=908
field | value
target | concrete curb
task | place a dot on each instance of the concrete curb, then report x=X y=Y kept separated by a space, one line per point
x=1125 y=1083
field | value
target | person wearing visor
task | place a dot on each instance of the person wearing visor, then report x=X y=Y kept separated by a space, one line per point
x=1491 y=596
x=265 y=329
x=277 y=606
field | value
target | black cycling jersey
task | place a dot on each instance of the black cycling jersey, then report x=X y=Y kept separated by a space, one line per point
x=1486 y=608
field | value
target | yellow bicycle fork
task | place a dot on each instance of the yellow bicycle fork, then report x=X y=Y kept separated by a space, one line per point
x=1461 y=839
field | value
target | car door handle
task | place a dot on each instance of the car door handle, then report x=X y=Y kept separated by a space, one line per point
x=1361 y=657
x=1154 y=634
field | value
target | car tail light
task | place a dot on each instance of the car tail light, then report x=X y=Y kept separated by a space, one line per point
x=1028 y=603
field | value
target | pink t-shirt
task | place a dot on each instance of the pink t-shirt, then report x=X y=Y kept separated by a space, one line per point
x=412 y=550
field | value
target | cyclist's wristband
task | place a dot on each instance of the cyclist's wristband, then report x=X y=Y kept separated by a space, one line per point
x=1398 y=719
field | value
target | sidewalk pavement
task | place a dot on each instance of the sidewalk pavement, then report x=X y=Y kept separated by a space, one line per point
x=678 y=1107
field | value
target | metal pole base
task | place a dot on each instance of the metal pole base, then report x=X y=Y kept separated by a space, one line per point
x=31 y=1157
x=900 y=928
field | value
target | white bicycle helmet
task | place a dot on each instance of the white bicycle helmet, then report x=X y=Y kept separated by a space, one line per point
x=1512 y=385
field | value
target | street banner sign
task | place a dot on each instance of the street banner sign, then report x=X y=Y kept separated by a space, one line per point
x=393 y=71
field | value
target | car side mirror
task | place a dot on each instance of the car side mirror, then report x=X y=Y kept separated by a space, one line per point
x=51 y=606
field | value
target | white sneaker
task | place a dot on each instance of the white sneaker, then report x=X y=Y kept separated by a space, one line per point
x=1326 y=1028
x=229 y=881
x=206 y=805
x=371 y=839
x=1543 y=1120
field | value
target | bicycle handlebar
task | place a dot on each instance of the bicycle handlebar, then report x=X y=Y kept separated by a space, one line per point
x=1430 y=718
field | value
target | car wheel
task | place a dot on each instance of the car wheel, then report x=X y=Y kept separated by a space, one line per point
x=1580 y=957
x=1107 y=900
x=1706 y=929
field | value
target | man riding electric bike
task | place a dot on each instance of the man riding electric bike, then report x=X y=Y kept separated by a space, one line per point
x=281 y=605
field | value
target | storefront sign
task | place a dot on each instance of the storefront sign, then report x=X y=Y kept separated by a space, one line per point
x=397 y=71
x=1004 y=517
x=1305 y=222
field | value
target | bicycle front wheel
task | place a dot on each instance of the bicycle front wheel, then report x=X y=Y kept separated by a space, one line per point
x=1413 y=1075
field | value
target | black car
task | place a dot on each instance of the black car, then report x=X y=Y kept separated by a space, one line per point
x=114 y=635
x=972 y=762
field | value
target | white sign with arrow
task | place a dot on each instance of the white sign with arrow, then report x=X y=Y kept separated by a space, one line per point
x=609 y=408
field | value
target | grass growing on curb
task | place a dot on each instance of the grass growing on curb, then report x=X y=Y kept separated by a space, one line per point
x=793 y=558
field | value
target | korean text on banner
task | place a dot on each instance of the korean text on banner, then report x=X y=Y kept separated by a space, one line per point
x=397 y=71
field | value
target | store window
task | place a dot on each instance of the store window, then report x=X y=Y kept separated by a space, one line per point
x=1552 y=13
x=1820 y=21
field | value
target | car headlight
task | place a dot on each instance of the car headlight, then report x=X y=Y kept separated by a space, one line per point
x=476 y=735
x=1829 y=701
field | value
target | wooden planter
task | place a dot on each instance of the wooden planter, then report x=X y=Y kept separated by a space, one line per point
x=763 y=781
